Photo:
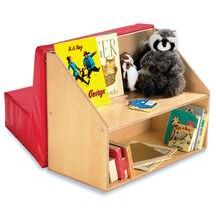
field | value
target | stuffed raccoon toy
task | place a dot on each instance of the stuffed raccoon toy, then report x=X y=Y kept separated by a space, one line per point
x=161 y=68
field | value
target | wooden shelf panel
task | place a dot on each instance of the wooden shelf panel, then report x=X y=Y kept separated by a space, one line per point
x=117 y=115
x=152 y=137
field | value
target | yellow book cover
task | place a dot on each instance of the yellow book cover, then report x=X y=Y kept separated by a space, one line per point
x=109 y=55
x=82 y=59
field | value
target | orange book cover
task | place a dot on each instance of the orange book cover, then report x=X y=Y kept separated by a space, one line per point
x=128 y=155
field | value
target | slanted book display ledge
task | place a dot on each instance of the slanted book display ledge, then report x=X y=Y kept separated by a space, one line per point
x=79 y=133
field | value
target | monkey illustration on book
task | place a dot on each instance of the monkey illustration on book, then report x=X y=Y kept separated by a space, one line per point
x=89 y=63
x=76 y=70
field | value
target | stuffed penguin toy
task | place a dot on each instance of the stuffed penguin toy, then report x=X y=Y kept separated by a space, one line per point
x=129 y=72
x=161 y=68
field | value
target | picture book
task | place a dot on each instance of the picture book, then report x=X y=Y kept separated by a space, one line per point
x=200 y=111
x=108 y=50
x=150 y=166
x=142 y=153
x=180 y=127
x=182 y=137
x=163 y=149
x=82 y=58
x=142 y=104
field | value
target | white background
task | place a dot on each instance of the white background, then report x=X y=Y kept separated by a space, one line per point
x=186 y=188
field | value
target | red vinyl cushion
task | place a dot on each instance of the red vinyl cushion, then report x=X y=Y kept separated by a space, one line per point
x=25 y=109
x=18 y=109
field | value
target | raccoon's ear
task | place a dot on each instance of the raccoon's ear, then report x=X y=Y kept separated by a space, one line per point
x=174 y=32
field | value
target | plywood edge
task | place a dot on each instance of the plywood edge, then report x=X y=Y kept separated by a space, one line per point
x=77 y=135
x=194 y=83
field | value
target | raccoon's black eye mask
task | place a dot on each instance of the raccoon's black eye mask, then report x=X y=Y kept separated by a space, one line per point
x=164 y=41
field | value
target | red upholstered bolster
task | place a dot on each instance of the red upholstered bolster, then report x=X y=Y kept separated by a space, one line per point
x=39 y=115
x=18 y=115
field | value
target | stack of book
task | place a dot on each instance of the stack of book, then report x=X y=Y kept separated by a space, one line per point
x=124 y=158
x=147 y=157
x=186 y=128
x=120 y=162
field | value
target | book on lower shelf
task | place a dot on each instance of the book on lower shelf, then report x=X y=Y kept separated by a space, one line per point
x=186 y=128
x=137 y=155
x=126 y=153
x=199 y=111
x=120 y=161
x=113 y=175
x=202 y=133
x=147 y=157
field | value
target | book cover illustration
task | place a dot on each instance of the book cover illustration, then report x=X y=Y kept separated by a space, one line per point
x=182 y=137
x=81 y=58
x=109 y=56
x=179 y=116
x=142 y=104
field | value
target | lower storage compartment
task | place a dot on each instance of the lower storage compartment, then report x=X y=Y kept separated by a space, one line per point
x=151 y=132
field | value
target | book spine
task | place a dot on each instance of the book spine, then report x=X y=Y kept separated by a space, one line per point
x=119 y=164
x=201 y=141
x=127 y=154
x=125 y=166
x=198 y=133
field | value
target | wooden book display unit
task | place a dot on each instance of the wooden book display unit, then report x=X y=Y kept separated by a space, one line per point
x=79 y=133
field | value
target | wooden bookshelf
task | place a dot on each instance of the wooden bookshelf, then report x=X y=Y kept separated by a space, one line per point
x=156 y=138
x=79 y=134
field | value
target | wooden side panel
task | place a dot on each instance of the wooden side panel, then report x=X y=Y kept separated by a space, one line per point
x=77 y=135
x=205 y=103
x=130 y=43
x=130 y=131
x=159 y=123
x=194 y=83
